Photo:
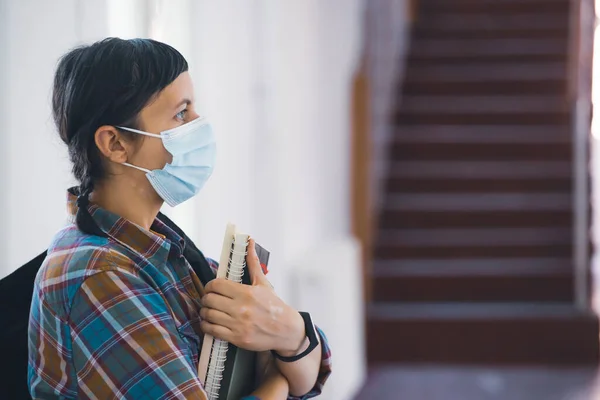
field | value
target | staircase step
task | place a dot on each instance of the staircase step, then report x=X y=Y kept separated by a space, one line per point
x=471 y=312
x=483 y=104
x=485 y=134
x=515 y=88
x=476 y=267
x=395 y=251
x=452 y=118
x=474 y=47
x=431 y=219
x=499 y=51
x=484 y=22
x=429 y=7
x=484 y=72
x=483 y=110
x=481 y=152
x=491 y=202
x=423 y=31
x=484 y=333
x=411 y=289
x=454 y=171
x=524 y=284
x=475 y=237
x=500 y=58
x=396 y=186
x=433 y=244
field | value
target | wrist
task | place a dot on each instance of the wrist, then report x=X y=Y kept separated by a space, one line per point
x=295 y=340
x=310 y=334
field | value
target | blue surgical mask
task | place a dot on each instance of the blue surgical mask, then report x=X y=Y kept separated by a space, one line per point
x=194 y=152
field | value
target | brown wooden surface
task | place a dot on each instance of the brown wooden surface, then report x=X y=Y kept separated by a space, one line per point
x=413 y=10
x=484 y=334
x=521 y=287
x=362 y=219
x=410 y=382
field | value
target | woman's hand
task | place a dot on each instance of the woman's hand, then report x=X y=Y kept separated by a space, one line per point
x=252 y=317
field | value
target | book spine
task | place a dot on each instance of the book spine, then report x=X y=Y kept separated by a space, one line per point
x=236 y=265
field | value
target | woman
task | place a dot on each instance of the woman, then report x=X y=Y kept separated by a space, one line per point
x=117 y=311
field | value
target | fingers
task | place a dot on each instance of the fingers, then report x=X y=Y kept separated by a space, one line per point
x=224 y=287
x=218 y=331
x=216 y=317
x=256 y=273
x=217 y=302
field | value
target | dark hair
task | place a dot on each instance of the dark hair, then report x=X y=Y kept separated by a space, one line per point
x=106 y=83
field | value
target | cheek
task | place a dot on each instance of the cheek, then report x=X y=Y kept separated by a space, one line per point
x=153 y=154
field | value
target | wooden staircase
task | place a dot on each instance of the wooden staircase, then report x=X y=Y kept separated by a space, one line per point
x=473 y=255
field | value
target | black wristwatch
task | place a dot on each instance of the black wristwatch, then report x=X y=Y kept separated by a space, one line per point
x=311 y=333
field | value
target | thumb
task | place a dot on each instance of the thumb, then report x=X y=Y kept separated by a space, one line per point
x=257 y=277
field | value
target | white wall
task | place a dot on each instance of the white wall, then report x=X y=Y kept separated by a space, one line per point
x=274 y=77
x=3 y=128
x=36 y=171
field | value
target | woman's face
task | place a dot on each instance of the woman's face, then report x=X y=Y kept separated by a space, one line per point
x=172 y=107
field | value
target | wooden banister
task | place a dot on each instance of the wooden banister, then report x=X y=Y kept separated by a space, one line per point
x=362 y=213
x=579 y=98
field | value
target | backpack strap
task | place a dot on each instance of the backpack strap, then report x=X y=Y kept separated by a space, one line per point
x=191 y=253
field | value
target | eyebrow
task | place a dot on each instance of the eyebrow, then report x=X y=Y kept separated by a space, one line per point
x=182 y=102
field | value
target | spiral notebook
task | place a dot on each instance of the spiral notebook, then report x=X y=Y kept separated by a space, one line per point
x=227 y=371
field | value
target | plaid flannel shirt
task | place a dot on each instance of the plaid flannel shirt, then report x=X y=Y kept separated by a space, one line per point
x=118 y=317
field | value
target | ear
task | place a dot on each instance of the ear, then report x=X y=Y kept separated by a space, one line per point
x=112 y=144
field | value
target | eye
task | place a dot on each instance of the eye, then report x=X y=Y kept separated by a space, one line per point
x=181 y=115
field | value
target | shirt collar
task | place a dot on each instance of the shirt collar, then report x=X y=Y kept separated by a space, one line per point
x=146 y=243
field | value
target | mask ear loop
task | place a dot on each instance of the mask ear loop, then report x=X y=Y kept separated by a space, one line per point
x=136 y=167
x=140 y=132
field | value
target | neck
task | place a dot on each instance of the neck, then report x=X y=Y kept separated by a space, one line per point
x=129 y=199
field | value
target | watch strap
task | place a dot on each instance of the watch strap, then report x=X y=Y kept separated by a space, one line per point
x=311 y=334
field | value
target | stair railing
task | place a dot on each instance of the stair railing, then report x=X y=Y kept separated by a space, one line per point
x=582 y=25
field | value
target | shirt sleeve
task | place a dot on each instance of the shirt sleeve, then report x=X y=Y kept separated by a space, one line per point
x=126 y=344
